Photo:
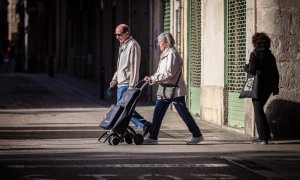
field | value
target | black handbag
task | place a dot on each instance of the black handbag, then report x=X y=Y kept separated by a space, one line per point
x=250 y=88
x=167 y=91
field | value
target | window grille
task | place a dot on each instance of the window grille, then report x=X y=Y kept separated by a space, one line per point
x=166 y=15
x=236 y=55
x=194 y=60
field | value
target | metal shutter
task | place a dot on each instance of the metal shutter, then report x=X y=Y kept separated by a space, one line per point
x=236 y=55
x=166 y=16
x=194 y=61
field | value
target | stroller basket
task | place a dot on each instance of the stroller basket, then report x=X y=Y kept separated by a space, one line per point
x=117 y=119
x=111 y=116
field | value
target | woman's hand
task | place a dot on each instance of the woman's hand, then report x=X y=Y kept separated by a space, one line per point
x=148 y=79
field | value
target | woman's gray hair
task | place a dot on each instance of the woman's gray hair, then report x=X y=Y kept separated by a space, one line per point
x=167 y=38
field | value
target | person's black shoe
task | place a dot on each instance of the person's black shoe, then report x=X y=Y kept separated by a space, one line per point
x=260 y=141
x=147 y=128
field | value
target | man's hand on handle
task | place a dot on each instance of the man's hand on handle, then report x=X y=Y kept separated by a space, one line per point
x=112 y=84
x=148 y=79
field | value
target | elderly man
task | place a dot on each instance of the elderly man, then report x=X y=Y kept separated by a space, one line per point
x=127 y=74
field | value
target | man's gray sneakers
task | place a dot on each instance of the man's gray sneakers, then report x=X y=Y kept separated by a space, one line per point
x=195 y=140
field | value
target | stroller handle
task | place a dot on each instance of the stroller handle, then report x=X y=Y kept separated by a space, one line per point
x=142 y=86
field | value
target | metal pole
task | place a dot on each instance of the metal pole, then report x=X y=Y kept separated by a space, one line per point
x=51 y=66
x=102 y=82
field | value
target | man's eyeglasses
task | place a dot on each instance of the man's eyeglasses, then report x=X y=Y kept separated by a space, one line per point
x=119 y=34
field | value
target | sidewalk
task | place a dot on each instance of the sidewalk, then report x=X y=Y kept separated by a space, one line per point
x=91 y=91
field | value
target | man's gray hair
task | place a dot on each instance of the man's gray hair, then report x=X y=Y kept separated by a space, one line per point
x=167 y=38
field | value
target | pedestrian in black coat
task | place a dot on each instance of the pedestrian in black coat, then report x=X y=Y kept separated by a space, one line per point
x=263 y=61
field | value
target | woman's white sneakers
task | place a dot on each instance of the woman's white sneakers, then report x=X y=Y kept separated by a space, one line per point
x=149 y=141
x=195 y=140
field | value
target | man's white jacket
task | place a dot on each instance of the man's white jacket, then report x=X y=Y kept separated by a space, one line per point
x=128 y=66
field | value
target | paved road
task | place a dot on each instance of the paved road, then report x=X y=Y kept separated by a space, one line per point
x=49 y=130
x=123 y=166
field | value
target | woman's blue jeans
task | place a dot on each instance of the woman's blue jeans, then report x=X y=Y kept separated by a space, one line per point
x=136 y=118
x=160 y=110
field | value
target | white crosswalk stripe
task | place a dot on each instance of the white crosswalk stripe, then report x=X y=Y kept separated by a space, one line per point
x=121 y=166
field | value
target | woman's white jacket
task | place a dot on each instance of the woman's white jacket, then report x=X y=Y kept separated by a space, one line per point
x=168 y=71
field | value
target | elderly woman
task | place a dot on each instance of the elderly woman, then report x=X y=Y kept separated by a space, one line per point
x=169 y=72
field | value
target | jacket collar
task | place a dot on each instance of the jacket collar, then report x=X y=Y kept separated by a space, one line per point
x=262 y=49
x=166 y=52
x=123 y=46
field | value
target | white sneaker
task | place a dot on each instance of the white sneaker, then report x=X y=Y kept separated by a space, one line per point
x=195 y=140
x=149 y=141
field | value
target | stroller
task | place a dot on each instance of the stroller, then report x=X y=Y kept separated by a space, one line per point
x=117 y=119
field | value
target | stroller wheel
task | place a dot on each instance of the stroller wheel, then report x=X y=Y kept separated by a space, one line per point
x=128 y=138
x=110 y=141
x=114 y=140
x=138 y=139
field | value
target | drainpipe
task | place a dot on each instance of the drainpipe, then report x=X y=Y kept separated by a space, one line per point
x=178 y=24
x=255 y=30
x=26 y=35
x=255 y=16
